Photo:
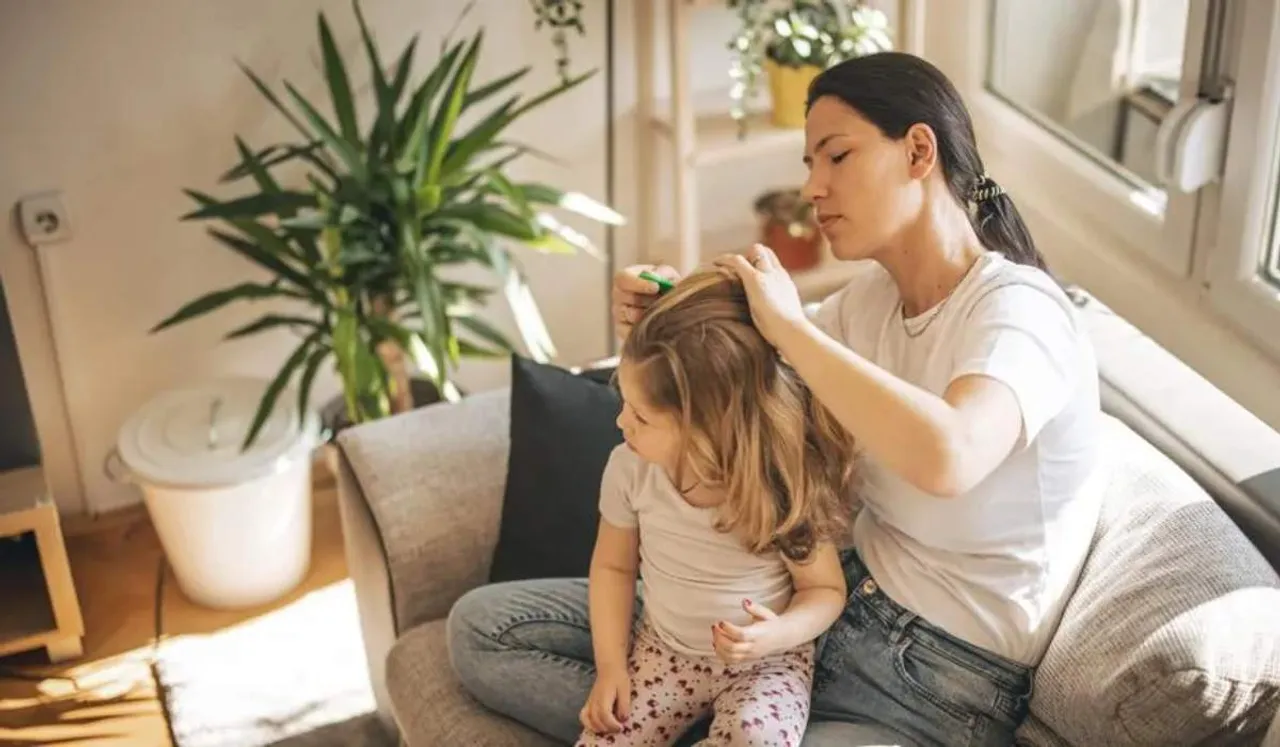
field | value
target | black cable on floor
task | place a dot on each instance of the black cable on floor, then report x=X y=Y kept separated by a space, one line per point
x=161 y=695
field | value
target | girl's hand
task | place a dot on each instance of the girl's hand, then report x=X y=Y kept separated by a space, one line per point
x=775 y=302
x=632 y=295
x=735 y=644
x=609 y=703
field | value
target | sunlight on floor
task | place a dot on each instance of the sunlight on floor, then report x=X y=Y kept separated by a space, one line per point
x=111 y=701
x=293 y=670
x=110 y=697
x=104 y=679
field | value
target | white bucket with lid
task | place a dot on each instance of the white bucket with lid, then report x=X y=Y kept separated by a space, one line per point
x=235 y=524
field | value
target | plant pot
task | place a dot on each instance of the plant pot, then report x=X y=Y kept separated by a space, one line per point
x=235 y=525
x=788 y=88
x=787 y=227
x=334 y=419
x=795 y=251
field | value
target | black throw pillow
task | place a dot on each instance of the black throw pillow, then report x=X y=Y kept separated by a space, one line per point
x=562 y=431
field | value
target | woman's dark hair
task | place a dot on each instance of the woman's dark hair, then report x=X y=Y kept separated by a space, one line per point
x=894 y=90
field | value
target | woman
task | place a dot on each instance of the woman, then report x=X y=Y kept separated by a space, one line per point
x=958 y=366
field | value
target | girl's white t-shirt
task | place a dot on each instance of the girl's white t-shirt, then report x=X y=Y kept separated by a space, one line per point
x=693 y=574
x=996 y=565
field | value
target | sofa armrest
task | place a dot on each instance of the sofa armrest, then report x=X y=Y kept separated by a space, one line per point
x=1232 y=453
x=430 y=483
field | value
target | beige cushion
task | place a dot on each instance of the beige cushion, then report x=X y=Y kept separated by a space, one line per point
x=1173 y=634
x=429 y=704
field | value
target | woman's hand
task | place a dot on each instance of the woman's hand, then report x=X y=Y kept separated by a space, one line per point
x=609 y=703
x=734 y=644
x=632 y=295
x=775 y=302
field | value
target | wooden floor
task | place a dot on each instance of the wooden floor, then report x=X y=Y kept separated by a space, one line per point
x=129 y=599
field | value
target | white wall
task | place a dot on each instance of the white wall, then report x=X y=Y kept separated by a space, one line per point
x=121 y=104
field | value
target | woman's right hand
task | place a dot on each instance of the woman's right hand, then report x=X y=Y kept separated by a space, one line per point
x=632 y=295
x=609 y=703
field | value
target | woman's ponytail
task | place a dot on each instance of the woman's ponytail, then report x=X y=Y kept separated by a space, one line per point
x=999 y=225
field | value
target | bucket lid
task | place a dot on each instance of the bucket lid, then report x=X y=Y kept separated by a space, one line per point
x=192 y=436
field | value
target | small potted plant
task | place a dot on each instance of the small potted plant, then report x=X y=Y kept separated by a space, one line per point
x=793 y=41
x=787 y=226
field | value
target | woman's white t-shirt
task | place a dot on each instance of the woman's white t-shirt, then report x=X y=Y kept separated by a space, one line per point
x=993 y=566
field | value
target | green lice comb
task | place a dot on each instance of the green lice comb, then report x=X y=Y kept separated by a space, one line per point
x=663 y=284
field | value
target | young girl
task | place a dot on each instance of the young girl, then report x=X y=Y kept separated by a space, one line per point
x=726 y=498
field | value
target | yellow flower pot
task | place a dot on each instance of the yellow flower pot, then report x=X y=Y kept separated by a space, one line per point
x=789 y=86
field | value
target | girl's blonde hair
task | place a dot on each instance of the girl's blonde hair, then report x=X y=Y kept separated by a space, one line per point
x=749 y=425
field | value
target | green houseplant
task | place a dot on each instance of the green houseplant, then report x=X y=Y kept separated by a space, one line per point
x=365 y=247
x=792 y=41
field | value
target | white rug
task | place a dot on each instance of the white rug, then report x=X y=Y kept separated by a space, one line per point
x=295 y=677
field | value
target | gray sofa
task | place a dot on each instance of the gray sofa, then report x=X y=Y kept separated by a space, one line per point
x=1171 y=637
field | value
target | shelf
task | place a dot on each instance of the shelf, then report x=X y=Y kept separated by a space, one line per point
x=715 y=133
x=40 y=607
x=27 y=613
x=691 y=130
x=21 y=489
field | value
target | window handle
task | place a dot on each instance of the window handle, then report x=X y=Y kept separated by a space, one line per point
x=1191 y=144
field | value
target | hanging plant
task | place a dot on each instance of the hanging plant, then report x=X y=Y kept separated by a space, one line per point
x=559 y=15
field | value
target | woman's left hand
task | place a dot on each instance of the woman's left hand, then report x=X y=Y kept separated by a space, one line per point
x=775 y=302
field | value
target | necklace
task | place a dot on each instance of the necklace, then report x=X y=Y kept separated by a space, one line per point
x=936 y=311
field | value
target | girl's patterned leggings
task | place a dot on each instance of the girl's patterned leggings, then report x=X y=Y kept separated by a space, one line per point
x=756 y=703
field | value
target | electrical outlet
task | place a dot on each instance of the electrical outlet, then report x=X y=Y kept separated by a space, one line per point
x=43 y=218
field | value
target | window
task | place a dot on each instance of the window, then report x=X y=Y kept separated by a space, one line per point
x=1102 y=76
x=1240 y=246
x=1140 y=137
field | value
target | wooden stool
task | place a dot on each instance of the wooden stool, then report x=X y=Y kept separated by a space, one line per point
x=38 y=603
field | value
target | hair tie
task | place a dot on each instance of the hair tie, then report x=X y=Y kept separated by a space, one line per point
x=985 y=189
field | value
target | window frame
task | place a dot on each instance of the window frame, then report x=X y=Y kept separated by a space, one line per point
x=1084 y=225
x=1039 y=167
x=1195 y=251
x=1246 y=227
